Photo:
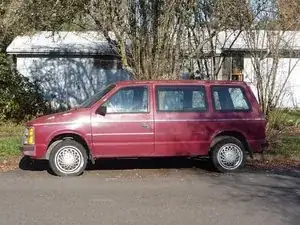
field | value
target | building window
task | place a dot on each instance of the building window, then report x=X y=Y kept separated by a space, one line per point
x=107 y=63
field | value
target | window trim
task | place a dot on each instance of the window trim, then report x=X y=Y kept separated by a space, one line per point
x=180 y=86
x=230 y=111
x=121 y=88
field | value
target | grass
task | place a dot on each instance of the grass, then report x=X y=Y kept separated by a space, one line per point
x=293 y=115
x=287 y=146
x=9 y=147
x=10 y=129
x=288 y=117
x=10 y=139
x=285 y=124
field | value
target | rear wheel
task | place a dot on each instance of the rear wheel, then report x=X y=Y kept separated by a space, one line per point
x=68 y=158
x=228 y=154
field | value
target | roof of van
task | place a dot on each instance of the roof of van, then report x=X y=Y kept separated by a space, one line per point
x=180 y=82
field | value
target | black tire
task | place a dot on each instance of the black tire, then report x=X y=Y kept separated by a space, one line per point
x=230 y=142
x=26 y=163
x=72 y=148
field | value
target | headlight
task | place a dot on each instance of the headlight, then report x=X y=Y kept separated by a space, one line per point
x=29 y=136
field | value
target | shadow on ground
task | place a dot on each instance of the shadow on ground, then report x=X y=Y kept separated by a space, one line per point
x=204 y=165
x=278 y=192
x=127 y=164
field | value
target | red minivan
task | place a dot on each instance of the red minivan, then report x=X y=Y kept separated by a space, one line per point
x=219 y=119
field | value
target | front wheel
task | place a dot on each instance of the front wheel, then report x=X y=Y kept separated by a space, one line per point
x=68 y=158
x=228 y=154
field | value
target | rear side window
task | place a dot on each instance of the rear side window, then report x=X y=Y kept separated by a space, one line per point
x=228 y=98
x=180 y=99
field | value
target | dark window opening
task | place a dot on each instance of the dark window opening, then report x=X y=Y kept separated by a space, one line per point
x=107 y=63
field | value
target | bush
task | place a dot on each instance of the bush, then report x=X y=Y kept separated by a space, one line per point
x=283 y=133
x=20 y=99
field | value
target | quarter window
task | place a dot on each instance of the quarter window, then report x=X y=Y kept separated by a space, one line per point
x=229 y=99
x=181 y=99
x=128 y=100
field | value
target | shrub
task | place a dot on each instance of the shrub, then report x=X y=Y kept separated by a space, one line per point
x=20 y=99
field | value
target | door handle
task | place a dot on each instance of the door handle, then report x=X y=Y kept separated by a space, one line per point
x=145 y=125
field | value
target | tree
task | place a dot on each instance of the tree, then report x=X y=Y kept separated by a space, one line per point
x=159 y=39
x=288 y=11
x=213 y=27
x=153 y=38
x=270 y=40
x=19 y=98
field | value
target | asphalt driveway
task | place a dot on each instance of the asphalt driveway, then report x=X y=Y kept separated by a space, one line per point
x=114 y=193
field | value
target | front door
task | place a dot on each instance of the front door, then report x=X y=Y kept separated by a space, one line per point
x=128 y=128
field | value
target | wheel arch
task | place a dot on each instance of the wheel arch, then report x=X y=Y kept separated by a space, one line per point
x=231 y=133
x=67 y=135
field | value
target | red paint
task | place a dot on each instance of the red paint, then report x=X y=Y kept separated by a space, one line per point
x=152 y=133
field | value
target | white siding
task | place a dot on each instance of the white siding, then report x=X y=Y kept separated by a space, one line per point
x=68 y=81
x=287 y=68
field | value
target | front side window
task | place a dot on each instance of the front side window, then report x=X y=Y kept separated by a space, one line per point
x=181 y=99
x=128 y=100
x=229 y=99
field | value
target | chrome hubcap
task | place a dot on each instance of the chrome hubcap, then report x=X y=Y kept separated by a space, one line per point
x=69 y=159
x=230 y=156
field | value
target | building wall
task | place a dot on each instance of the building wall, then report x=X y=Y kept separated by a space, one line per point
x=68 y=81
x=288 y=69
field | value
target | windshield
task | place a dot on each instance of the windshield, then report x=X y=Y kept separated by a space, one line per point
x=93 y=99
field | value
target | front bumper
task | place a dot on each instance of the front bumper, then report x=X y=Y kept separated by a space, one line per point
x=27 y=150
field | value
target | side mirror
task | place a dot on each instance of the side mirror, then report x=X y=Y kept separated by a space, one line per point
x=101 y=110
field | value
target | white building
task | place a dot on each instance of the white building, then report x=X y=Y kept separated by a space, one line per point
x=71 y=66
x=240 y=52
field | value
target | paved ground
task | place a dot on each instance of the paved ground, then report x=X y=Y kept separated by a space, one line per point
x=118 y=193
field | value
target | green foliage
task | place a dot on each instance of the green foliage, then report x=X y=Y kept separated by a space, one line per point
x=10 y=139
x=279 y=119
x=9 y=147
x=283 y=133
x=287 y=146
x=9 y=129
x=20 y=99
x=292 y=117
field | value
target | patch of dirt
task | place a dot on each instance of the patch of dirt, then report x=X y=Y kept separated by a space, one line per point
x=277 y=165
x=9 y=164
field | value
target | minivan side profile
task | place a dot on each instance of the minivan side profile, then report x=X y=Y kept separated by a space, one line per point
x=219 y=119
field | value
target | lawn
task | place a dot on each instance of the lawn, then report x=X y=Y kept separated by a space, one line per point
x=286 y=147
x=10 y=139
x=287 y=117
x=286 y=144
x=293 y=115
